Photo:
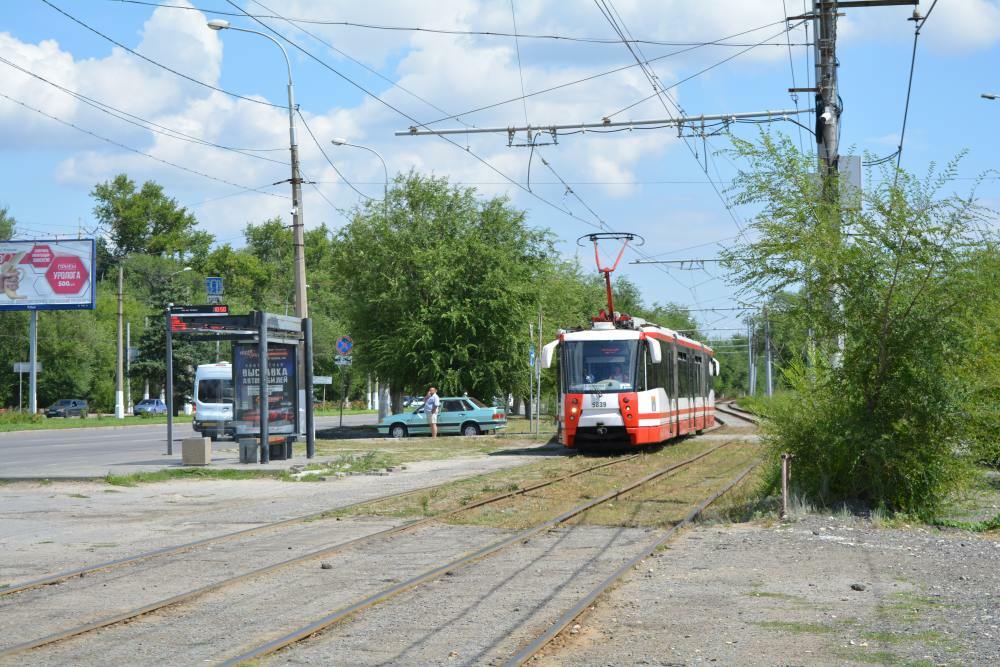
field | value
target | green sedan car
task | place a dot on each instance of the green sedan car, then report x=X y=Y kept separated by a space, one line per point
x=458 y=414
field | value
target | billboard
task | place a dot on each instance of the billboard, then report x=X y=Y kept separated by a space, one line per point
x=47 y=275
x=282 y=394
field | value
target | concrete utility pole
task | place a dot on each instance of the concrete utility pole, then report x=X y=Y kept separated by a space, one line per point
x=119 y=372
x=827 y=100
x=33 y=363
x=751 y=374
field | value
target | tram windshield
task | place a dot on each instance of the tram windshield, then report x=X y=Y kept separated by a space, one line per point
x=599 y=366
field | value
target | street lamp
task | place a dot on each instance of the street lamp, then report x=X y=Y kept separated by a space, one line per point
x=385 y=170
x=382 y=407
x=301 y=306
x=990 y=96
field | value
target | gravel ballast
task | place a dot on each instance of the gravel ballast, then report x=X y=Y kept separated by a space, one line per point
x=818 y=591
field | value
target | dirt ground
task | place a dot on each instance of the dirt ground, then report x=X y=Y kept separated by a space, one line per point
x=820 y=590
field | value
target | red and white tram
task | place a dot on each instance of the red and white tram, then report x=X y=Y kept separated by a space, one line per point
x=629 y=381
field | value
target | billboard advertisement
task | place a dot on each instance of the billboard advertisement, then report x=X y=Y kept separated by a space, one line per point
x=47 y=275
x=282 y=393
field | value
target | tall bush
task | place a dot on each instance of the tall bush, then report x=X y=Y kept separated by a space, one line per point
x=884 y=419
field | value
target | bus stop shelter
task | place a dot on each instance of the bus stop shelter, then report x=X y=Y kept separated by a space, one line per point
x=269 y=396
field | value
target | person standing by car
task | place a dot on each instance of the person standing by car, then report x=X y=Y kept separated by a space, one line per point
x=432 y=405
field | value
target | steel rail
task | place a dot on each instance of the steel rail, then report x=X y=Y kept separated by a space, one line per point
x=326 y=551
x=180 y=548
x=434 y=573
x=732 y=412
x=528 y=652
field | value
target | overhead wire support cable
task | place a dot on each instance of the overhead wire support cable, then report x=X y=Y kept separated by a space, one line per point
x=137 y=151
x=698 y=73
x=607 y=123
x=402 y=113
x=918 y=25
x=159 y=64
x=585 y=79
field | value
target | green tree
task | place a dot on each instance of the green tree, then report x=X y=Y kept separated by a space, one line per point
x=882 y=426
x=146 y=221
x=442 y=291
x=7 y=224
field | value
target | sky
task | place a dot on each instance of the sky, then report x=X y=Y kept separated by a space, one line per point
x=363 y=71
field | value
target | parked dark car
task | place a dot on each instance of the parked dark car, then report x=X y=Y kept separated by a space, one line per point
x=67 y=407
x=150 y=406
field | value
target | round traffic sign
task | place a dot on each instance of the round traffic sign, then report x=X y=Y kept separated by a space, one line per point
x=344 y=345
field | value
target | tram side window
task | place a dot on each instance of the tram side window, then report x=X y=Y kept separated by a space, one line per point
x=683 y=374
x=668 y=373
x=699 y=376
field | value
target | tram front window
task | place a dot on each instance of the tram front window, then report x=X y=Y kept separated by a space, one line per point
x=599 y=366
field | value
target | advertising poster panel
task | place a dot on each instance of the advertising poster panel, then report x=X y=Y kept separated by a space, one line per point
x=47 y=275
x=282 y=392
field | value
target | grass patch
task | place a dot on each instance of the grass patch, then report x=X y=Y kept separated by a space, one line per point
x=407 y=450
x=347 y=464
x=3 y=586
x=44 y=423
x=796 y=627
x=924 y=637
x=661 y=504
x=985 y=526
x=136 y=478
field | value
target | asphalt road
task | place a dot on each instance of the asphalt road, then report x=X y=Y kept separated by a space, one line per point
x=93 y=452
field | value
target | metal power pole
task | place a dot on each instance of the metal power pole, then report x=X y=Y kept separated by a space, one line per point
x=767 y=355
x=751 y=375
x=119 y=370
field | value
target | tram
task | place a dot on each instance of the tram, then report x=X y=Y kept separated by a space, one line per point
x=628 y=381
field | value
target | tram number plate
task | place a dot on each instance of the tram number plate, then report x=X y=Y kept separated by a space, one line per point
x=600 y=404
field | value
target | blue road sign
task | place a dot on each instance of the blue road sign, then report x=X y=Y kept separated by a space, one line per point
x=531 y=357
x=345 y=345
x=213 y=286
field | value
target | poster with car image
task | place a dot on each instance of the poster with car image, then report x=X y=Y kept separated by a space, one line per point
x=282 y=394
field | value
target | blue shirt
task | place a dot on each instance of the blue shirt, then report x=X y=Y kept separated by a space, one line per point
x=431 y=405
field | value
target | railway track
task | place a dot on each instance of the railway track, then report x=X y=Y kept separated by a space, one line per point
x=320 y=624
x=533 y=648
x=217 y=585
x=728 y=408
x=345 y=611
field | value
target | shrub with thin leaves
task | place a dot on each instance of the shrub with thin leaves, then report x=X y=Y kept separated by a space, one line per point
x=889 y=418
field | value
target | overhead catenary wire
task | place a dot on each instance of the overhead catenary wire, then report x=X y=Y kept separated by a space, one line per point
x=441 y=31
x=697 y=74
x=136 y=150
x=144 y=123
x=156 y=63
x=585 y=79
x=404 y=114
x=332 y=47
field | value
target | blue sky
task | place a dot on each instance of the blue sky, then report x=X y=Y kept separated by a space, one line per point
x=646 y=182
